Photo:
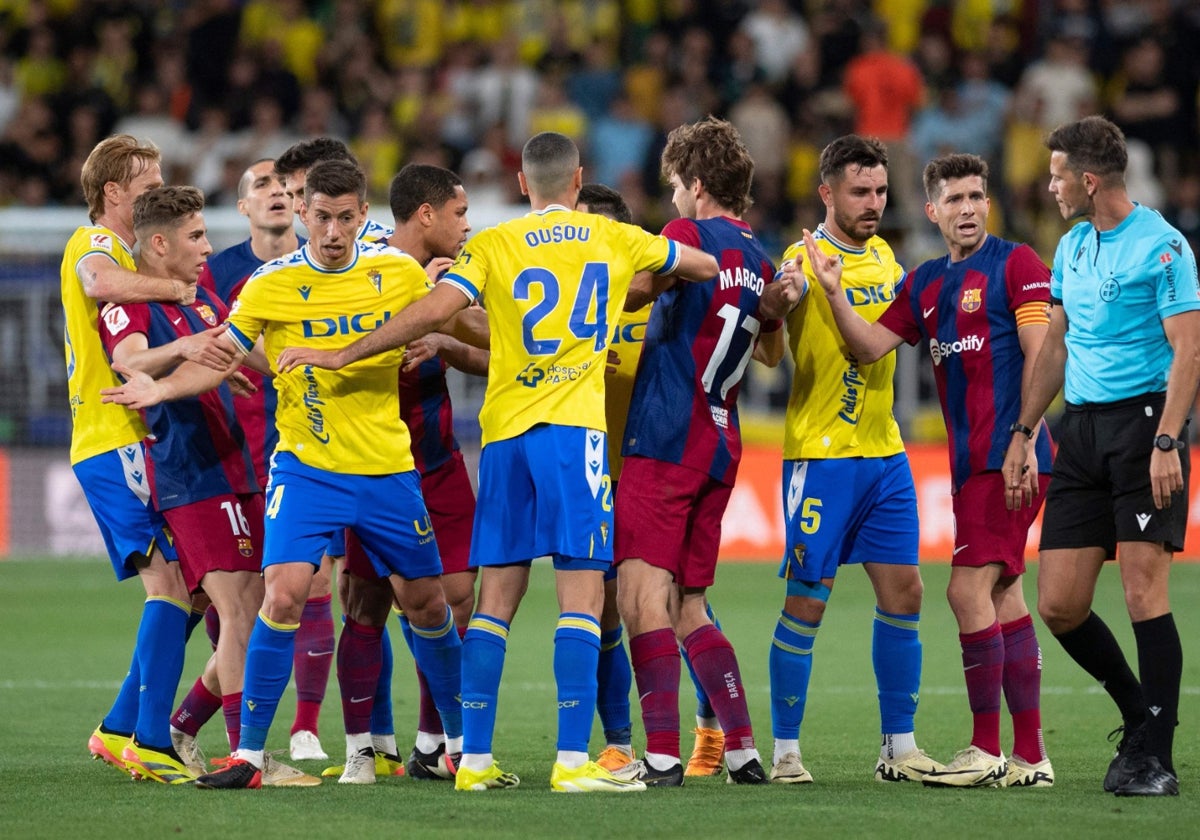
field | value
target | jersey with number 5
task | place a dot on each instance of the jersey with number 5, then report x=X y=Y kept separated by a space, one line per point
x=553 y=283
x=698 y=343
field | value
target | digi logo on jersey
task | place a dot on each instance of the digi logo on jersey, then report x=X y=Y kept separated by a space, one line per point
x=632 y=333
x=866 y=295
x=359 y=324
x=940 y=350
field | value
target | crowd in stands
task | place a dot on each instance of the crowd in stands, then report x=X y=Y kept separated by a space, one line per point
x=462 y=83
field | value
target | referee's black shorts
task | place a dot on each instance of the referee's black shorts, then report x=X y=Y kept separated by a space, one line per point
x=1100 y=491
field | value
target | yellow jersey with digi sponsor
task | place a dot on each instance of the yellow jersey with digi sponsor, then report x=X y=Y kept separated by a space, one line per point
x=553 y=283
x=344 y=421
x=627 y=340
x=96 y=427
x=838 y=408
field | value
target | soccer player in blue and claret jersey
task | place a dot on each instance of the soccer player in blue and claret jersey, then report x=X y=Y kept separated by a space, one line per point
x=682 y=446
x=982 y=311
x=200 y=470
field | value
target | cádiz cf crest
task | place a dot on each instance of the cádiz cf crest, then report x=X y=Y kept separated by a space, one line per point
x=972 y=299
x=376 y=280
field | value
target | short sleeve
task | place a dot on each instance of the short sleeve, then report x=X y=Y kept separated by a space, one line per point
x=118 y=322
x=898 y=317
x=1173 y=267
x=1026 y=278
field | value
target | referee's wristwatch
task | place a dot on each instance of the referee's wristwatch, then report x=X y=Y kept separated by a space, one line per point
x=1167 y=443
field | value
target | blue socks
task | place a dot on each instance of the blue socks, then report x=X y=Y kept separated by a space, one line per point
x=791 y=668
x=268 y=667
x=576 y=655
x=160 y=649
x=614 y=678
x=438 y=652
x=483 y=650
x=896 y=654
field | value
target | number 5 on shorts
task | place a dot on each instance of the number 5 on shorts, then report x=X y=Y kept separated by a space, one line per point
x=810 y=516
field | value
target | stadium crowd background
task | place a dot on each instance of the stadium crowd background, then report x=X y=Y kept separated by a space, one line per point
x=217 y=84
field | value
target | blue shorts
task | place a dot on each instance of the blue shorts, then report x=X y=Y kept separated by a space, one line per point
x=306 y=506
x=545 y=493
x=118 y=493
x=847 y=510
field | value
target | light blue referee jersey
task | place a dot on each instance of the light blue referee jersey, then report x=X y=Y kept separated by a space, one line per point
x=1116 y=287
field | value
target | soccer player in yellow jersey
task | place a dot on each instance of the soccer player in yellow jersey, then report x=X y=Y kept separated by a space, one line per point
x=847 y=488
x=343 y=456
x=314 y=641
x=553 y=282
x=106 y=440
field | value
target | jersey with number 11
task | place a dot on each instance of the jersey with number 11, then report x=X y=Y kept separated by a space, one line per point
x=553 y=283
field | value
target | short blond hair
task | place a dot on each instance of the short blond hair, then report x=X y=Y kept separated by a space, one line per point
x=114 y=160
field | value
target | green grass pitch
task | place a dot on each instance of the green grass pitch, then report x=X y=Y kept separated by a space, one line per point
x=67 y=630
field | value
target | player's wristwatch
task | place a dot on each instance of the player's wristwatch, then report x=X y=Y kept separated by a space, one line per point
x=1022 y=428
x=1167 y=443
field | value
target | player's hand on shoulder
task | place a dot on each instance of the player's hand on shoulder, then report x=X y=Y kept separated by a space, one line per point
x=139 y=391
x=436 y=267
x=209 y=348
x=185 y=293
x=294 y=357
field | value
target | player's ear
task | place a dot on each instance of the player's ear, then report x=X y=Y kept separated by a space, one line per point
x=524 y=184
x=826 y=193
x=931 y=211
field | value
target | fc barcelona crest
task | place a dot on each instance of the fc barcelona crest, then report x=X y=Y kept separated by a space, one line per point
x=376 y=280
x=972 y=299
x=245 y=547
x=206 y=312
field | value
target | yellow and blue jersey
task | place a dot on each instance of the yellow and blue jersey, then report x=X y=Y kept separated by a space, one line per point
x=345 y=421
x=553 y=283
x=627 y=339
x=837 y=407
x=97 y=427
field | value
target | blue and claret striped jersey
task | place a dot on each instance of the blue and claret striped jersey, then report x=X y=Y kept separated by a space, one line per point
x=698 y=342
x=196 y=450
x=225 y=274
x=1116 y=287
x=553 y=283
x=426 y=410
x=966 y=313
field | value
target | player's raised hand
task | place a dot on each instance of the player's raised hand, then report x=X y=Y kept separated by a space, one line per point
x=826 y=267
x=294 y=357
x=139 y=391
x=209 y=348
x=437 y=266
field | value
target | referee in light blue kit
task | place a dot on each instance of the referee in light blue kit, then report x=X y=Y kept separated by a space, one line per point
x=1124 y=341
